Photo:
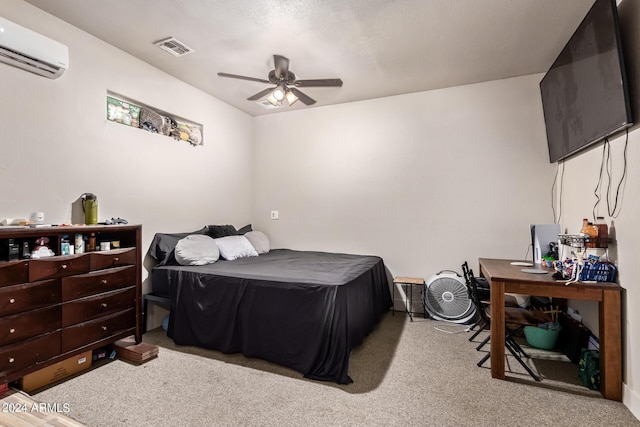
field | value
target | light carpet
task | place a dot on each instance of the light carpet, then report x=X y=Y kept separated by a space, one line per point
x=405 y=373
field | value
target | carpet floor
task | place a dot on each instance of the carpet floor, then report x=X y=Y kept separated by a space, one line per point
x=405 y=373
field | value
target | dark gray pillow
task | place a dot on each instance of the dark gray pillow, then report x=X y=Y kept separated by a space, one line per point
x=217 y=231
x=244 y=230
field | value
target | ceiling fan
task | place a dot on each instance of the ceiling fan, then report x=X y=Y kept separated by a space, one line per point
x=286 y=84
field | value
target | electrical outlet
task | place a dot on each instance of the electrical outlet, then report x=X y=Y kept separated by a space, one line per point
x=275 y=215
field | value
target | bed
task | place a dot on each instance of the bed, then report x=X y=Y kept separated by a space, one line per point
x=301 y=309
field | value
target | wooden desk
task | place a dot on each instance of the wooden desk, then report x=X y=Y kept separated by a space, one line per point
x=505 y=277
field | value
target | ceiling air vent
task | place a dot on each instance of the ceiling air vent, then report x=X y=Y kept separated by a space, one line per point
x=174 y=47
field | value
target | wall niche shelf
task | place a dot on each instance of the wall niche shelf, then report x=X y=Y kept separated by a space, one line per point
x=129 y=112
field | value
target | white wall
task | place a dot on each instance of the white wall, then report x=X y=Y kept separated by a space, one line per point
x=57 y=144
x=580 y=180
x=425 y=180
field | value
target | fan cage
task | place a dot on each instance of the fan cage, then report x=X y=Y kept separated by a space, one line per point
x=446 y=297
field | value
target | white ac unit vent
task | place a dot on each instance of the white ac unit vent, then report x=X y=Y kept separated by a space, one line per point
x=30 y=51
x=174 y=47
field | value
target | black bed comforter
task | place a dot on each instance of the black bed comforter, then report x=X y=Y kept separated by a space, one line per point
x=303 y=310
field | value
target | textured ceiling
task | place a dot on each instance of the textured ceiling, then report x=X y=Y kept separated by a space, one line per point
x=377 y=47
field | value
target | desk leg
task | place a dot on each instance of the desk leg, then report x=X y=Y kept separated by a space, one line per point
x=610 y=345
x=497 y=329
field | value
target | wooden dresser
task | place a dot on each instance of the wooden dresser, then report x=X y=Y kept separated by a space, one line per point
x=56 y=307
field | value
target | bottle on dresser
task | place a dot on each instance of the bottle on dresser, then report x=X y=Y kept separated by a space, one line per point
x=79 y=243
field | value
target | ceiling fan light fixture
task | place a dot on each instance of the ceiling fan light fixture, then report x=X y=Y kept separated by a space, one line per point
x=291 y=98
x=286 y=86
x=272 y=99
x=279 y=92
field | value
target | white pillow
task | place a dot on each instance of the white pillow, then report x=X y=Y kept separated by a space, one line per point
x=234 y=247
x=259 y=241
x=196 y=249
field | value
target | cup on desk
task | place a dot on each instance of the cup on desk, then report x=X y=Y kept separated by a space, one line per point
x=105 y=246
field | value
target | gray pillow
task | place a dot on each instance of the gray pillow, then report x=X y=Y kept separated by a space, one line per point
x=259 y=241
x=196 y=249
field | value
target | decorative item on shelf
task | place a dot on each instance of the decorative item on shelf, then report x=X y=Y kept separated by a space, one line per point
x=42 y=250
x=123 y=112
x=133 y=113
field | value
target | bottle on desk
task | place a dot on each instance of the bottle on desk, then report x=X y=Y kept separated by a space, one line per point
x=603 y=232
x=589 y=231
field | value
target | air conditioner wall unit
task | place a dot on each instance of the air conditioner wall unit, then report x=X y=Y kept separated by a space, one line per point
x=26 y=49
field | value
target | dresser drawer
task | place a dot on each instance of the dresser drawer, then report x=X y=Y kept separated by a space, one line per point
x=29 y=324
x=18 y=298
x=13 y=272
x=88 y=308
x=27 y=353
x=97 y=282
x=58 y=266
x=113 y=258
x=95 y=330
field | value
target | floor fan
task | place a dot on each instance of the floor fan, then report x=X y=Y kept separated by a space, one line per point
x=445 y=297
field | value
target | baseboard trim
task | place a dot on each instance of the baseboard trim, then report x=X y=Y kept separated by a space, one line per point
x=631 y=400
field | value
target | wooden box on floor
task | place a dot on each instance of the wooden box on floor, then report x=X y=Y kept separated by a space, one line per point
x=128 y=350
x=55 y=372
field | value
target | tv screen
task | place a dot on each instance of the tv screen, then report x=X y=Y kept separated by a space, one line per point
x=584 y=93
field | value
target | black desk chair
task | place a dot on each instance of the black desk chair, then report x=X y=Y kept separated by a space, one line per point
x=515 y=320
x=484 y=294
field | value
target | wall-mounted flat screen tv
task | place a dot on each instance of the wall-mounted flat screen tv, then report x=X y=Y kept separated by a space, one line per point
x=584 y=93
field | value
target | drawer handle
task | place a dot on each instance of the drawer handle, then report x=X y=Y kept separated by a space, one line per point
x=12 y=331
x=104 y=328
x=12 y=300
x=63 y=266
x=103 y=305
x=103 y=281
x=11 y=360
x=116 y=259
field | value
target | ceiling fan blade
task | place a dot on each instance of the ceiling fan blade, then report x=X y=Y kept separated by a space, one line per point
x=282 y=66
x=318 y=82
x=306 y=100
x=260 y=94
x=235 y=76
